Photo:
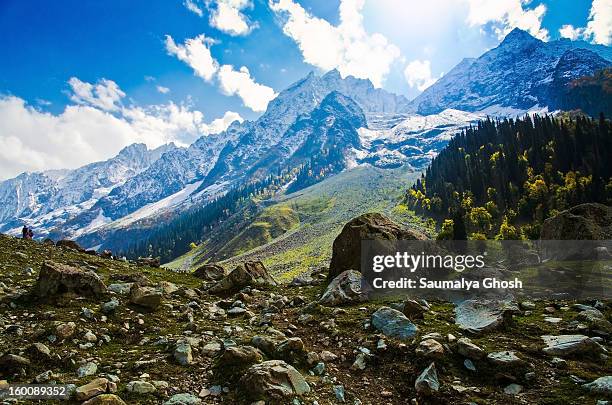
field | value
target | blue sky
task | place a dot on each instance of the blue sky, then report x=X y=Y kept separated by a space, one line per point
x=160 y=71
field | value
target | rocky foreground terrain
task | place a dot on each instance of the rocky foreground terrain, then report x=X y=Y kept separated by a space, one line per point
x=121 y=332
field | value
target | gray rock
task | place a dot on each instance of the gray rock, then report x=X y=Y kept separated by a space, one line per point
x=120 y=288
x=564 y=345
x=87 y=369
x=247 y=274
x=479 y=316
x=513 y=389
x=467 y=363
x=273 y=379
x=430 y=348
x=344 y=289
x=55 y=278
x=140 y=387
x=601 y=386
x=147 y=297
x=110 y=306
x=210 y=272
x=506 y=359
x=427 y=382
x=393 y=323
x=339 y=392
x=466 y=348
x=183 y=399
x=183 y=353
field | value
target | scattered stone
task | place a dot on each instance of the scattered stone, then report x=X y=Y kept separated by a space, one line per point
x=466 y=348
x=105 y=399
x=91 y=389
x=39 y=351
x=140 y=387
x=274 y=379
x=414 y=309
x=344 y=289
x=12 y=363
x=513 y=389
x=602 y=386
x=469 y=365
x=430 y=348
x=65 y=330
x=183 y=399
x=87 y=369
x=479 y=316
x=210 y=272
x=302 y=280
x=120 y=288
x=564 y=345
x=328 y=356
x=339 y=392
x=55 y=278
x=146 y=297
x=238 y=357
x=506 y=359
x=595 y=320
x=427 y=382
x=182 y=353
x=559 y=362
x=393 y=323
x=527 y=306
x=110 y=306
x=69 y=244
x=247 y=274
x=360 y=362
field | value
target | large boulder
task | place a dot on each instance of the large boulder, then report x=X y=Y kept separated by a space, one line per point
x=273 y=379
x=346 y=253
x=478 y=316
x=210 y=272
x=589 y=221
x=55 y=278
x=344 y=289
x=247 y=274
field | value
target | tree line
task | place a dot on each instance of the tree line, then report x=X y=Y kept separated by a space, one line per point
x=502 y=178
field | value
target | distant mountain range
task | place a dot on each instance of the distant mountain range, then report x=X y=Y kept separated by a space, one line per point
x=327 y=123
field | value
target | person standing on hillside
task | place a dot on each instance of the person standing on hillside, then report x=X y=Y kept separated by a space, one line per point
x=24 y=232
x=30 y=234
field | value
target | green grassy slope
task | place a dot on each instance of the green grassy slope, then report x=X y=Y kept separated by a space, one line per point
x=322 y=211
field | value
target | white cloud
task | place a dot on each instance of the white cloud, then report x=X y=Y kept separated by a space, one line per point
x=221 y=124
x=347 y=46
x=599 y=26
x=505 y=15
x=227 y=16
x=418 y=74
x=105 y=95
x=32 y=140
x=570 y=32
x=195 y=52
x=162 y=89
x=239 y=82
x=193 y=7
